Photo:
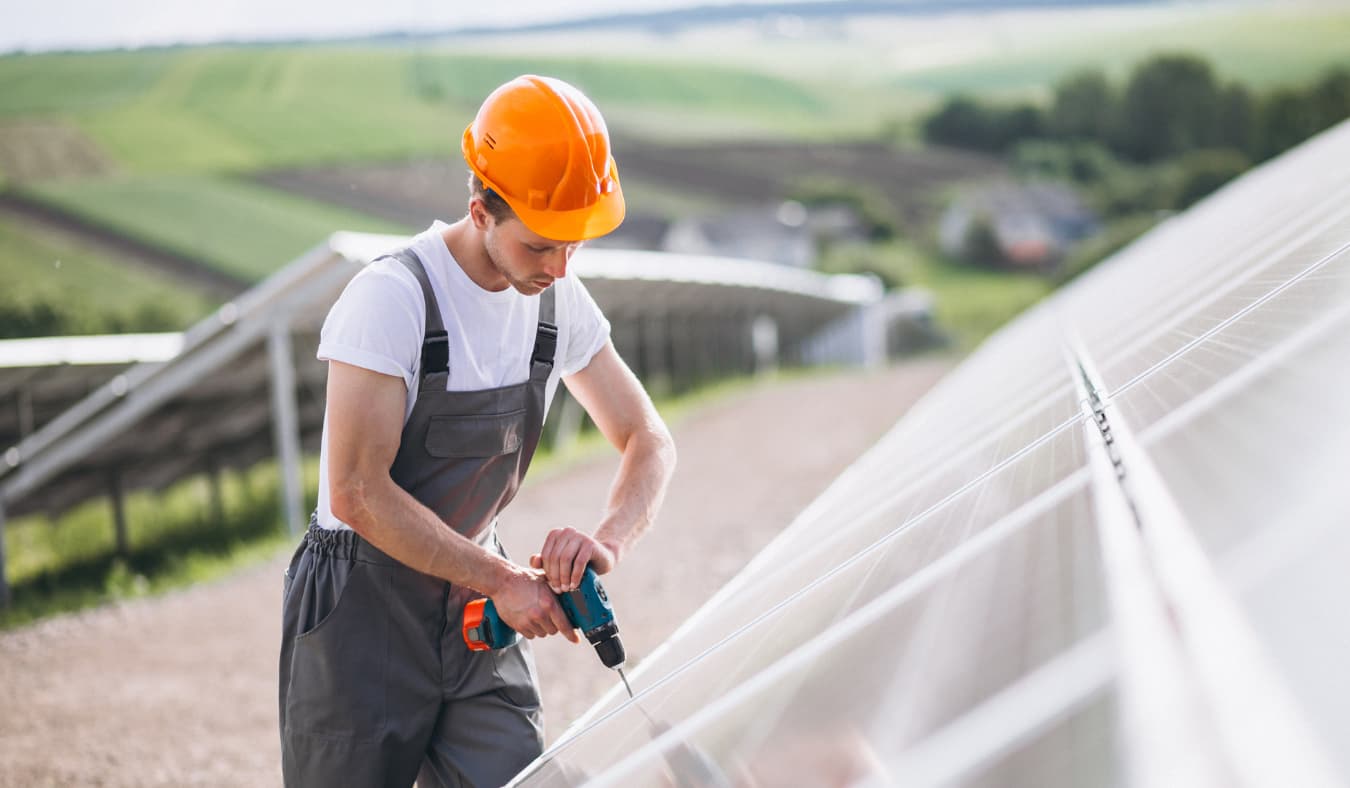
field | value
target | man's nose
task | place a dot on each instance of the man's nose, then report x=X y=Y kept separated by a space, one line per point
x=556 y=266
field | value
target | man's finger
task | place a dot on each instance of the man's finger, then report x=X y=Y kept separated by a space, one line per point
x=550 y=557
x=536 y=561
x=558 y=566
x=582 y=558
x=563 y=625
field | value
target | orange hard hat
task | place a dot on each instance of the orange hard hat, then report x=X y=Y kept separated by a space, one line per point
x=543 y=146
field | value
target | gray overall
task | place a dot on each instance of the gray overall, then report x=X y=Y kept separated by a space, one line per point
x=376 y=685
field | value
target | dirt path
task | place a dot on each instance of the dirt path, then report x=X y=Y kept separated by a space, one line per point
x=181 y=689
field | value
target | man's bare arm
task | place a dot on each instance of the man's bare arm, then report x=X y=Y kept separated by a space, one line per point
x=620 y=407
x=365 y=425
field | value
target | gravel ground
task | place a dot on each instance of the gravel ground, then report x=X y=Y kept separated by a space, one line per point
x=181 y=689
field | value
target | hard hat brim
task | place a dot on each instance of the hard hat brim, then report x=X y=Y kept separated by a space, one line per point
x=582 y=224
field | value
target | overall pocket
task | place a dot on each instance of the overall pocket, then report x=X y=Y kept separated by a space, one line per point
x=517 y=680
x=338 y=650
x=464 y=437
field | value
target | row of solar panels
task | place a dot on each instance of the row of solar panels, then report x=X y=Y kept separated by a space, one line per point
x=83 y=416
x=1110 y=547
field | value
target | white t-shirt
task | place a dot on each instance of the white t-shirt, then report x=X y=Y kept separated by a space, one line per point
x=378 y=321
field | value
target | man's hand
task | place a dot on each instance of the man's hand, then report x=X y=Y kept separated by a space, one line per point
x=565 y=555
x=526 y=605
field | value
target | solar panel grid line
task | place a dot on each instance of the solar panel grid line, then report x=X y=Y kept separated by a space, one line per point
x=1177 y=417
x=803 y=562
x=843 y=501
x=854 y=498
x=1185 y=639
x=1217 y=355
x=1007 y=719
x=1130 y=275
x=856 y=475
x=942 y=573
x=1249 y=308
x=1210 y=315
x=940 y=568
x=1159 y=313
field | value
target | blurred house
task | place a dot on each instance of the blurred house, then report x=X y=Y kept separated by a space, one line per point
x=788 y=233
x=1023 y=225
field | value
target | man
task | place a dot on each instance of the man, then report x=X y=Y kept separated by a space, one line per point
x=442 y=361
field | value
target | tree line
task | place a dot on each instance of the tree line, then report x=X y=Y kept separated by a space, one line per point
x=1170 y=105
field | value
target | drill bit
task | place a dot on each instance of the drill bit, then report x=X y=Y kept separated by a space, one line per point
x=657 y=729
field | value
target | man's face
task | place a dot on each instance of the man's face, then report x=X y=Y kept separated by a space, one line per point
x=528 y=261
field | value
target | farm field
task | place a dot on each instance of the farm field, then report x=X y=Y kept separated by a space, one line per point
x=918 y=58
x=1261 y=46
x=241 y=157
x=670 y=180
x=235 y=109
x=93 y=291
x=234 y=226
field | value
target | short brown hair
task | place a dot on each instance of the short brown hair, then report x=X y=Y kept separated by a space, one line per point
x=492 y=201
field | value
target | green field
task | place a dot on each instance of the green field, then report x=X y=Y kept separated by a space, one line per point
x=1260 y=47
x=236 y=109
x=176 y=127
x=238 y=227
x=51 y=276
x=971 y=301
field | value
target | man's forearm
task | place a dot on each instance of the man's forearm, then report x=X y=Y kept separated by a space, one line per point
x=385 y=515
x=648 y=461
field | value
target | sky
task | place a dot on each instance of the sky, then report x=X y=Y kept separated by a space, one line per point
x=34 y=25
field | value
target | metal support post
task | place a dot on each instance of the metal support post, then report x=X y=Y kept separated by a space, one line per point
x=569 y=421
x=119 y=512
x=873 y=340
x=214 y=488
x=286 y=423
x=4 y=577
x=25 y=403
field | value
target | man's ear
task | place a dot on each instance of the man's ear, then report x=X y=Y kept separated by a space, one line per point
x=478 y=214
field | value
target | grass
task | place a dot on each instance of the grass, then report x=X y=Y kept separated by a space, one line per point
x=174 y=540
x=1260 y=47
x=971 y=301
x=235 y=226
x=80 y=291
x=214 y=109
x=220 y=109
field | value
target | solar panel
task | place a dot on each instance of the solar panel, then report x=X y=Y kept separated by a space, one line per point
x=1107 y=548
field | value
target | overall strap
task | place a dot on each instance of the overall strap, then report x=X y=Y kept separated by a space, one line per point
x=546 y=337
x=435 y=346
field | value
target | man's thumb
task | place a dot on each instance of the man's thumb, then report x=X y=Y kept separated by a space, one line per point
x=537 y=561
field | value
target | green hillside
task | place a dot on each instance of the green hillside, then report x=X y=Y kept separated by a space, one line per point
x=235 y=226
x=1258 y=46
x=57 y=285
x=239 y=109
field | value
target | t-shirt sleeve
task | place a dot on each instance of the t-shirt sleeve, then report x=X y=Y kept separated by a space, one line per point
x=588 y=327
x=376 y=324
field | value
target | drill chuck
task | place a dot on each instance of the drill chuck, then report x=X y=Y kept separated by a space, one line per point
x=608 y=646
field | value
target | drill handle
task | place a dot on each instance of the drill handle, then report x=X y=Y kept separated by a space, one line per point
x=484 y=629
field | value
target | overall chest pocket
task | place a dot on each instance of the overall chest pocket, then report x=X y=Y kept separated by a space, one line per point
x=491 y=435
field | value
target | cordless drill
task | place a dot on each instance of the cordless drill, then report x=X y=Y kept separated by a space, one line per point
x=587 y=609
